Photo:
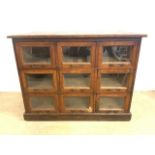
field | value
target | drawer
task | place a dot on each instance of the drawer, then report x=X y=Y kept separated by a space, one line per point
x=77 y=102
x=76 y=80
x=39 y=80
x=116 y=54
x=42 y=102
x=114 y=80
x=76 y=54
x=111 y=102
x=36 y=54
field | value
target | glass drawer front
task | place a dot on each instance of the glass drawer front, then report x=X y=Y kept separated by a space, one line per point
x=76 y=54
x=76 y=102
x=76 y=80
x=110 y=103
x=36 y=55
x=114 y=80
x=116 y=54
x=42 y=102
x=39 y=81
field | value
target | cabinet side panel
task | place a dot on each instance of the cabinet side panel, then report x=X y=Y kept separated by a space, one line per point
x=16 y=53
x=133 y=75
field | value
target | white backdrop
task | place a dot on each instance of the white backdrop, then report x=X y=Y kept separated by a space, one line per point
x=81 y=16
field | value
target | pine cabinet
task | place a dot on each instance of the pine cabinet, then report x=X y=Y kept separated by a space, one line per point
x=77 y=77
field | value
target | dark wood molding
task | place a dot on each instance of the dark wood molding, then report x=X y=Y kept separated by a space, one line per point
x=76 y=36
x=78 y=116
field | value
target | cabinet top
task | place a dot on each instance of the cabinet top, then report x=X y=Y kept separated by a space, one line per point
x=74 y=36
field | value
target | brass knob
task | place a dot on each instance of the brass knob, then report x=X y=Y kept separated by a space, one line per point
x=90 y=109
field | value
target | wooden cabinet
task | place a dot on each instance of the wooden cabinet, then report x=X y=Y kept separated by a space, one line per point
x=82 y=77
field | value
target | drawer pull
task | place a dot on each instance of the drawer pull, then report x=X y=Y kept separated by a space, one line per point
x=90 y=109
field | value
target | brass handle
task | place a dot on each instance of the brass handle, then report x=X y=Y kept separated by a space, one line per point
x=90 y=109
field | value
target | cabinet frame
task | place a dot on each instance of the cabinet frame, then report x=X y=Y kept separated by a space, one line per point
x=95 y=67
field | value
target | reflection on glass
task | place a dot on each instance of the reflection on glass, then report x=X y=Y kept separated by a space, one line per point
x=116 y=53
x=36 y=54
x=76 y=80
x=76 y=54
x=76 y=102
x=42 y=102
x=110 y=103
x=39 y=81
x=114 y=80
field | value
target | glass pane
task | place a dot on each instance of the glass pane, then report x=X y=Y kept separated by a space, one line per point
x=42 y=102
x=36 y=54
x=39 y=81
x=116 y=53
x=76 y=54
x=114 y=80
x=110 y=103
x=76 y=80
x=76 y=102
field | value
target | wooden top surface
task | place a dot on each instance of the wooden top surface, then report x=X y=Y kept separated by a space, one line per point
x=72 y=36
